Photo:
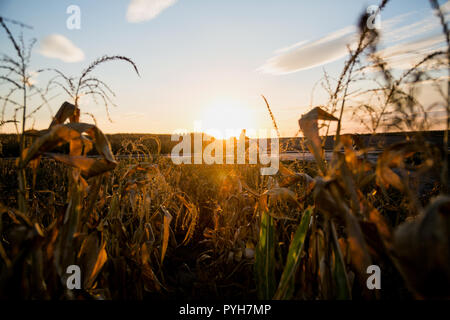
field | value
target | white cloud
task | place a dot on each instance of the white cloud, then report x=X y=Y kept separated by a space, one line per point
x=406 y=55
x=411 y=30
x=417 y=46
x=59 y=47
x=306 y=55
x=142 y=10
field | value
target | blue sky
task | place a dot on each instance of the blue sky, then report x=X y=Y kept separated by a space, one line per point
x=200 y=55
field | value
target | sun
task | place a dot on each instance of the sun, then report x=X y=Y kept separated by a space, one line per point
x=227 y=118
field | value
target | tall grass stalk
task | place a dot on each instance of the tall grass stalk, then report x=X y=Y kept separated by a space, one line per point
x=445 y=30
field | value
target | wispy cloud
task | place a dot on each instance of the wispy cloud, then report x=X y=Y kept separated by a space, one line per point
x=309 y=54
x=411 y=30
x=418 y=48
x=446 y=8
x=59 y=47
x=143 y=10
x=306 y=55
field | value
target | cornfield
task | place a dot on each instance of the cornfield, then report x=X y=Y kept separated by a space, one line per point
x=142 y=227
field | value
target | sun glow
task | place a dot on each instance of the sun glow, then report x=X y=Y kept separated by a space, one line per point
x=224 y=119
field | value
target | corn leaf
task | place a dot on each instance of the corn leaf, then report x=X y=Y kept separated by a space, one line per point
x=309 y=125
x=339 y=272
x=285 y=287
x=166 y=232
x=265 y=258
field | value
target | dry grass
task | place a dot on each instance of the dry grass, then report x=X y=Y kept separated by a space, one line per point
x=145 y=228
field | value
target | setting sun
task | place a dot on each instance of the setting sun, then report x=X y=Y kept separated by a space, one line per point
x=226 y=118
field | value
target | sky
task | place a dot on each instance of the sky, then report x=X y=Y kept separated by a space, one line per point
x=211 y=60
